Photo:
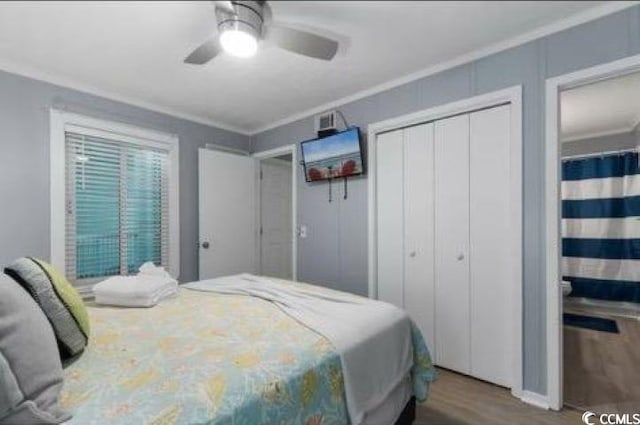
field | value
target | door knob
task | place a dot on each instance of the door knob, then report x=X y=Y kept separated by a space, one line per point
x=460 y=257
x=412 y=254
x=205 y=245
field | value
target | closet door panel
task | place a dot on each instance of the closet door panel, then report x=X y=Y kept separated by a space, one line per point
x=390 y=217
x=451 y=243
x=419 y=296
x=491 y=321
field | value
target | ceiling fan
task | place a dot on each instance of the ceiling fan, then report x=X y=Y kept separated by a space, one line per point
x=242 y=24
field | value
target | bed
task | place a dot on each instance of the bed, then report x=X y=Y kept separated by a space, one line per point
x=209 y=358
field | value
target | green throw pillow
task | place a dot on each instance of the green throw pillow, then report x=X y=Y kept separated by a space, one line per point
x=59 y=300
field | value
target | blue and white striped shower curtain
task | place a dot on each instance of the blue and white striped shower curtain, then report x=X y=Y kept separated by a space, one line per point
x=601 y=227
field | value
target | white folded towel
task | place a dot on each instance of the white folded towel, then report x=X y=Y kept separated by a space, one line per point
x=150 y=269
x=135 y=291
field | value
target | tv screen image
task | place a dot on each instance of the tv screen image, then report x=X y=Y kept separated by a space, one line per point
x=338 y=155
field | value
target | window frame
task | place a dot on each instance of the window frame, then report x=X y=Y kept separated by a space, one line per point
x=63 y=121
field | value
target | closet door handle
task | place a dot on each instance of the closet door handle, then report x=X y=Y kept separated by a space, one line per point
x=460 y=257
x=412 y=254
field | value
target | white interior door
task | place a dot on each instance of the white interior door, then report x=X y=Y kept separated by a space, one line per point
x=390 y=217
x=419 y=296
x=452 y=243
x=490 y=257
x=227 y=213
x=275 y=218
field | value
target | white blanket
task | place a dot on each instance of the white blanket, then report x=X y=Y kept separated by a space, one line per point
x=373 y=338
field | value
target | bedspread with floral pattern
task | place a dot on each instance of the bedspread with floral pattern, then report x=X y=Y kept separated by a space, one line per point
x=205 y=358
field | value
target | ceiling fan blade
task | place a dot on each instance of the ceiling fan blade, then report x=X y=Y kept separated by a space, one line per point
x=203 y=54
x=302 y=42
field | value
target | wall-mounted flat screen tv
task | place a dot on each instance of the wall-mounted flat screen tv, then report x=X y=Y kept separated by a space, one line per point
x=338 y=155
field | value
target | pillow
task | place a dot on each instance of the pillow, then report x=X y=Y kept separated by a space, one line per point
x=30 y=369
x=59 y=300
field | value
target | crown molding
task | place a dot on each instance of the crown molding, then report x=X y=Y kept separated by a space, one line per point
x=574 y=20
x=595 y=134
x=561 y=25
x=47 y=77
x=631 y=127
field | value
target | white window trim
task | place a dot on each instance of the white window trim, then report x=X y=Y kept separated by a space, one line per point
x=60 y=122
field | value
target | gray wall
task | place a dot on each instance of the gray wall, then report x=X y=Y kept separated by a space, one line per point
x=335 y=251
x=612 y=142
x=24 y=162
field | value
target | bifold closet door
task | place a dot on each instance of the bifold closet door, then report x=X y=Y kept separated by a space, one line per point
x=452 y=243
x=490 y=257
x=419 y=296
x=390 y=217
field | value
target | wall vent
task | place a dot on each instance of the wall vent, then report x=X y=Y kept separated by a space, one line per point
x=326 y=123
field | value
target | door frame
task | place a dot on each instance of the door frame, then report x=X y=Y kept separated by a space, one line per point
x=272 y=153
x=552 y=196
x=512 y=95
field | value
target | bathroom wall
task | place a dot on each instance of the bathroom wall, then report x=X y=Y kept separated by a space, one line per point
x=611 y=142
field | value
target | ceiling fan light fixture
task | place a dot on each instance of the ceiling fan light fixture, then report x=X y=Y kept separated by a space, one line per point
x=241 y=27
x=239 y=43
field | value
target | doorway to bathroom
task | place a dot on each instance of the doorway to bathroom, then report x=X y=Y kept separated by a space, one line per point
x=598 y=183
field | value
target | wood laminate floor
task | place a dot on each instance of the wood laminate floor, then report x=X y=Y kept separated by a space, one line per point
x=460 y=400
x=601 y=372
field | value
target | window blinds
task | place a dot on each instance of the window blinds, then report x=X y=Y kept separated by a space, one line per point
x=117 y=205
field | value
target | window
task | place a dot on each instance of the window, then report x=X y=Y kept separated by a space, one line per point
x=119 y=198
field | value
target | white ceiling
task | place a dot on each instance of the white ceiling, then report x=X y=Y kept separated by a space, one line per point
x=133 y=51
x=606 y=107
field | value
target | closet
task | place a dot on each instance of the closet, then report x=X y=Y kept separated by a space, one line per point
x=443 y=237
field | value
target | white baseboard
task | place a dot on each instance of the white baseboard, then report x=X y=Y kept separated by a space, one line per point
x=535 y=399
